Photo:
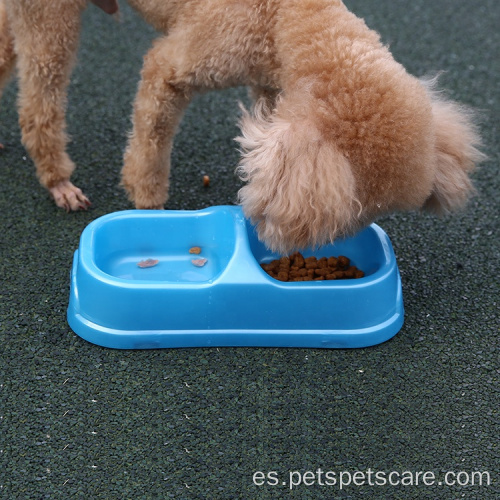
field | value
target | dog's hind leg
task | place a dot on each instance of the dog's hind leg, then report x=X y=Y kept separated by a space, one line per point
x=7 y=54
x=158 y=108
x=46 y=40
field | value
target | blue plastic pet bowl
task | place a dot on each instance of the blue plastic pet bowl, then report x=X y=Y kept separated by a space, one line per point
x=229 y=301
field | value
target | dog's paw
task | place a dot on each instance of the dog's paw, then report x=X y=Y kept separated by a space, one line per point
x=69 y=197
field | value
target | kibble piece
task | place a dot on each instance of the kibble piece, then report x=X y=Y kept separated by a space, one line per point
x=322 y=263
x=332 y=262
x=298 y=260
x=322 y=271
x=206 y=180
x=283 y=276
x=285 y=261
x=343 y=261
x=195 y=250
x=143 y=264
x=199 y=262
x=269 y=268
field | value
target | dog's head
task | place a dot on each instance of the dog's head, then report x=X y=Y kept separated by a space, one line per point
x=300 y=189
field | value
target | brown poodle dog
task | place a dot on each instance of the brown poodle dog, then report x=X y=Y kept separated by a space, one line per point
x=340 y=133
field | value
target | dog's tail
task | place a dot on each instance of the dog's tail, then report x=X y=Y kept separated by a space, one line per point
x=300 y=189
x=457 y=152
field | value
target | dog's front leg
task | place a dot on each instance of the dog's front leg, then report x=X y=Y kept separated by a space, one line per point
x=158 y=108
x=46 y=40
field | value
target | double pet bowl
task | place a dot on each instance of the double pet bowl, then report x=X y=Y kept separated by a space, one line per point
x=229 y=300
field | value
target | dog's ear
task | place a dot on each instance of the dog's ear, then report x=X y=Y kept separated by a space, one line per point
x=108 y=6
x=300 y=189
x=456 y=152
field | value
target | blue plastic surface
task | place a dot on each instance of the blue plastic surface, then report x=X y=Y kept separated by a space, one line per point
x=230 y=301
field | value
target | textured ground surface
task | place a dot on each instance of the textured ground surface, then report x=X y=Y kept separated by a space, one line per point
x=79 y=420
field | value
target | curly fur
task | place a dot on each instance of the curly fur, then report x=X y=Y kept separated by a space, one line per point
x=294 y=179
x=353 y=136
x=340 y=133
x=456 y=152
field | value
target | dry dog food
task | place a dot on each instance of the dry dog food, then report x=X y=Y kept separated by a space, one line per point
x=296 y=267
x=199 y=262
x=147 y=263
x=196 y=250
x=206 y=180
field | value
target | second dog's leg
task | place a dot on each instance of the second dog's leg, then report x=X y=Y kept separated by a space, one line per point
x=7 y=54
x=46 y=39
x=158 y=107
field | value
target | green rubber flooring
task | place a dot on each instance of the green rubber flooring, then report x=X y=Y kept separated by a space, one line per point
x=81 y=421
